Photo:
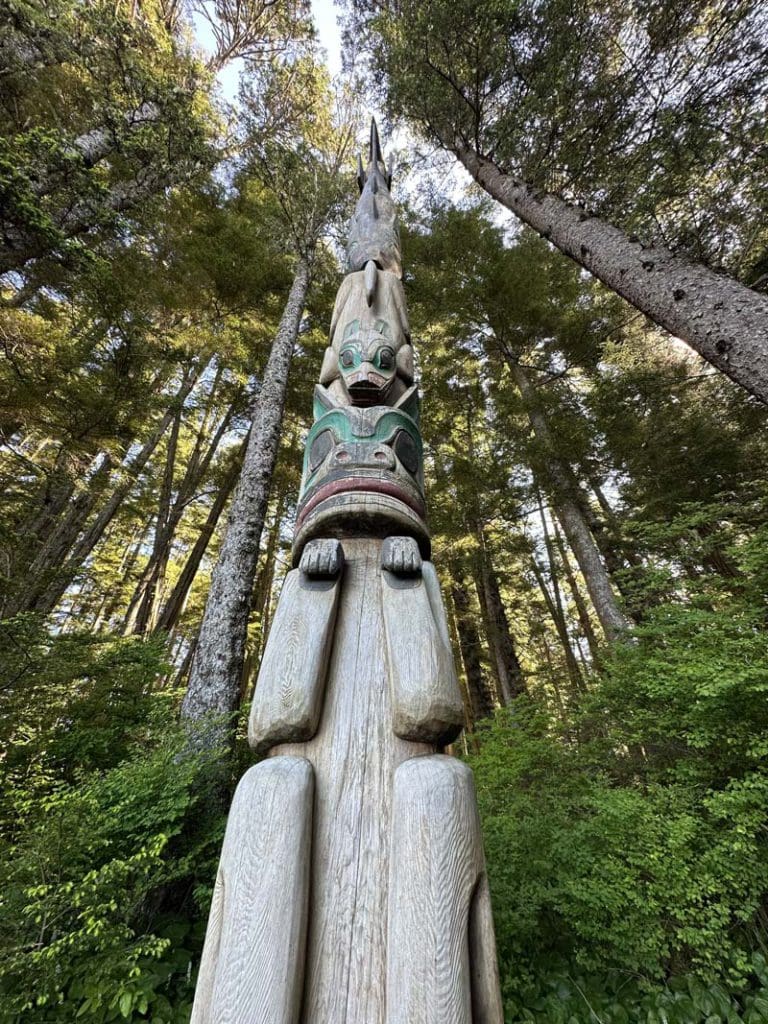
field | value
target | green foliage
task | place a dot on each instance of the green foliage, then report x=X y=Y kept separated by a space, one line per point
x=628 y=857
x=562 y=996
x=651 y=113
x=109 y=834
x=625 y=797
x=103 y=110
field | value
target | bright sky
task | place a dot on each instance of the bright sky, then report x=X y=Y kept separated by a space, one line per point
x=450 y=178
x=325 y=15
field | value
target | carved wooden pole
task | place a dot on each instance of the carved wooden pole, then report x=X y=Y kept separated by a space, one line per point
x=352 y=885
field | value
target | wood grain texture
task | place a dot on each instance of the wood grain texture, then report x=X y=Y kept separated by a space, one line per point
x=254 y=953
x=322 y=558
x=398 y=928
x=354 y=754
x=426 y=699
x=354 y=316
x=436 y=862
x=487 y=1007
x=367 y=516
x=289 y=691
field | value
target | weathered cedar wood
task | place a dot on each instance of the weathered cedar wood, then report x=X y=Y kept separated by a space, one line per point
x=289 y=690
x=377 y=841
x=253 y=958
x=426 y=700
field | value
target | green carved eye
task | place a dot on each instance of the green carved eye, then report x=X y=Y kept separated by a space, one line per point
x=349 y=357
x=386 y=358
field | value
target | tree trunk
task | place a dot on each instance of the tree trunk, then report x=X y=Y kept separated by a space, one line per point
x=262 y=593
x=469 y=724
x=40 y=573
x=130 y=471
x=578 y=598
x=504 y=657
x=113 y=597
x=723 y=320
x=214 y=681
x=555 y=608
x=54 y=497
x=155 y=568
x=170 y=515
x=480 y=696
x=565 y=495
x=19 y=246
x=174 y=606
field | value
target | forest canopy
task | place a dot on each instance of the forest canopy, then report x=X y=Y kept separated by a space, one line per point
x=581 y=190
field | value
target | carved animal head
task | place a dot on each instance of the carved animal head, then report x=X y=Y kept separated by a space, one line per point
x=370 y=359
x=367 y=361
x=362 y=472
x=373 y=232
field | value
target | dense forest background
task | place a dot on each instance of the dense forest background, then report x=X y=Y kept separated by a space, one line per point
x=596 y=486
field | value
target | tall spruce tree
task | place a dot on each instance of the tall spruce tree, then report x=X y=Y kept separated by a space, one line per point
x=628 y=135
x=296 y=147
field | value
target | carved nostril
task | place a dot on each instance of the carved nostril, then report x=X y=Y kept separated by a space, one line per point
x=342 y=456
x=381 y=456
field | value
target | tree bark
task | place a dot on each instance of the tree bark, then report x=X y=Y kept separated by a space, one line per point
x=146 y=591
x=95 y=530
x=480 y=697
x=20 y=247
x=170 y=515
x=38 y=574
x=214 y=681
x=174 y=606
x=555 y=608
x=724 y=321
x=567 y=505
x=506 y=663
x=113 y=597
x=578 y=598
x=262 y=592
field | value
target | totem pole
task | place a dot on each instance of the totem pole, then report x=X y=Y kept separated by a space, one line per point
x=352 y=885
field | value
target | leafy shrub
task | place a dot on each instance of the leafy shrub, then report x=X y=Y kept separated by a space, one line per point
x=109 y=834
x=629 y=857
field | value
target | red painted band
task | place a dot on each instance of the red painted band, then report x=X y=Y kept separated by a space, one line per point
x=359 y=483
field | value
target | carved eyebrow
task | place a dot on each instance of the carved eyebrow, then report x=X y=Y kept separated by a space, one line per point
x=353 y=327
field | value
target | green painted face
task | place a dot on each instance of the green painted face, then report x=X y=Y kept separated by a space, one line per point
x=353 y=440
x=367 y=361
x=353 y=454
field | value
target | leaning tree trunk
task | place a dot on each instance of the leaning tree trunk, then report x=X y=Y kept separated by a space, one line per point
x=174 y=606
x=146 y=591
x=214 y=681
x=38 y=575
x=94 y=531
x=578 y=598
x=170 y=512
x=566 y=500
x=724 y=321
x=554 y=603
